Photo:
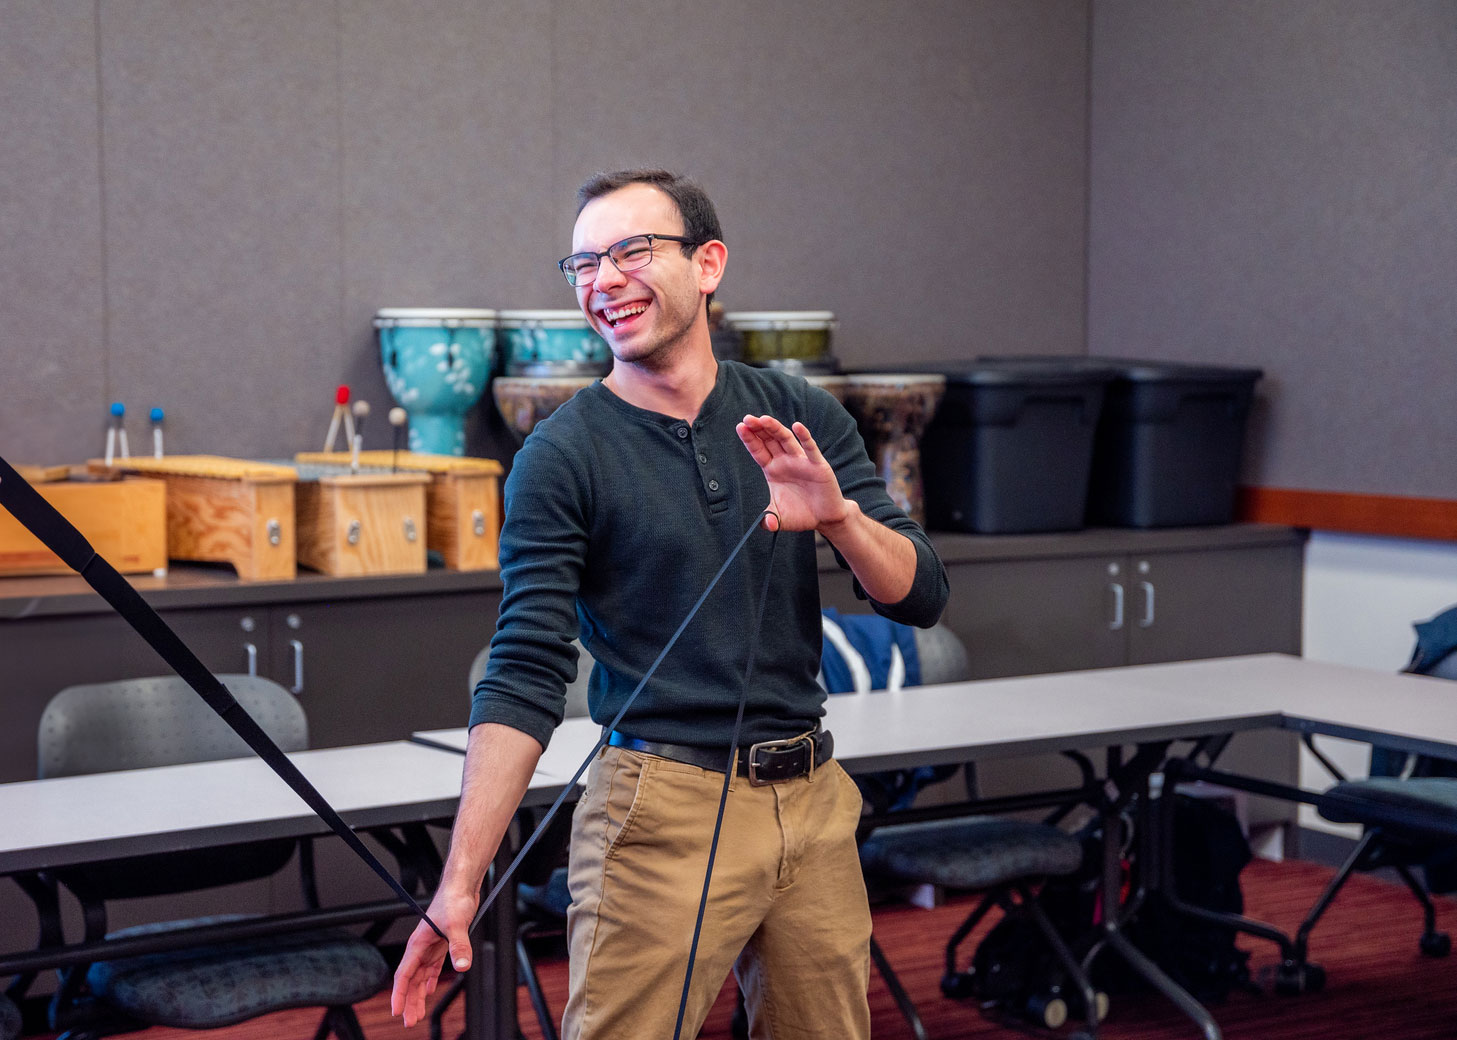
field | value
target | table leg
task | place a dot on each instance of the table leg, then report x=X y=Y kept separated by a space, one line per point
x=1131 y=784
x=490 y=985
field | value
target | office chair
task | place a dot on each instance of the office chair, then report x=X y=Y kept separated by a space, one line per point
x=161 y=721
x=1001 y=857
x=1398 y=783
x=9 y=1019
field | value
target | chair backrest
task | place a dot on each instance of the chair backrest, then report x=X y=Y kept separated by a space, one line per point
x=1446 y=668
x=576 y=689
x=943 y=655
x=864 y=652
x=860 y=654
x=1435 y=655
x=134 y=723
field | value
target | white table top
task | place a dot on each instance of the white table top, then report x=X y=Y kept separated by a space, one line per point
x=1409 y=712
x=76 y=819
x=931 y=725
x=569 y=745
x=1006 y=717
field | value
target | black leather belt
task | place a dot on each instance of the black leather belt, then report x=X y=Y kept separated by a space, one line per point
x=767 y=762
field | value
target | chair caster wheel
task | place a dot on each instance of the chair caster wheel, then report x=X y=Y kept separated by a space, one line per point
x=958 y=985
x=1293 y=979
x=1046 y=1010
x=1076 y=1010
x=1436 y=944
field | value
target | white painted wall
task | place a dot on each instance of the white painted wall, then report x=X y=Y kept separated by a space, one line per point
x=1362 y=595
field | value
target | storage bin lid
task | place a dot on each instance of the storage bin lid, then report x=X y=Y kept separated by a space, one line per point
x=1042 y=371
x=1134 y=370
x=1175 y=371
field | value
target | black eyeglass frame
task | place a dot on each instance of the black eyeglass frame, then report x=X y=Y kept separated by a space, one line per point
x=606 y=254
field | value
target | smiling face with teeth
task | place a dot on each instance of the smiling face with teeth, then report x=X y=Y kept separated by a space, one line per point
x=651 y=315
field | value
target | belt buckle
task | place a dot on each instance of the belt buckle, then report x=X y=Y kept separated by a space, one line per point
x=779 y=745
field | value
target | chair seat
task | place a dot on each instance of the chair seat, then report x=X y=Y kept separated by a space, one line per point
x=9 y=1019
x=203 y=988
x=1432 y=794
x=973 y=852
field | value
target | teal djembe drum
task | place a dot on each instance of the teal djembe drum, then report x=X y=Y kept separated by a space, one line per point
x=551 y=343
x=437 y=361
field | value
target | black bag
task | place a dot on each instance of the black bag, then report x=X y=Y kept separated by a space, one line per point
x=1014 y=970
x=1209 y=852
x=1014 y=961
x=1013 y=964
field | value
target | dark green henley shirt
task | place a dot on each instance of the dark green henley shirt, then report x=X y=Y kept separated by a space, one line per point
x=617 y=519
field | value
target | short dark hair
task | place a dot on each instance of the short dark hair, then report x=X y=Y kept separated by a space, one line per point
x=700 y=222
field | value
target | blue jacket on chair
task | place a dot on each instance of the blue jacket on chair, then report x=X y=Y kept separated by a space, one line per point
x=864 y=652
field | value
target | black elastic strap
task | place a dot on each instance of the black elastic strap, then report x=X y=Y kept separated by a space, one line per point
x=728 y=776
x=59 y=535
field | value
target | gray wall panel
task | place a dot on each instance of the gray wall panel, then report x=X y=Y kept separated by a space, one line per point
x=53 y=389
x=271 y=173
x=446 y=136
x=1272 y=184
x=853 y=158
x=661 y=108
x=223 y=208
x=923 y=177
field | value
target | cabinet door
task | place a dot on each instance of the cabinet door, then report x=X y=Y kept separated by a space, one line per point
x=225 y=640
x=38 y=658
x=378 y=669
x=1021 y=617
x=1214 y=603
x=1218 y=603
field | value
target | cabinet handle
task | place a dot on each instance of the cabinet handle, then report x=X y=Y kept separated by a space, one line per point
x=1147 y=587
x=252 y=652
x=298 y=665
x=1117 y=589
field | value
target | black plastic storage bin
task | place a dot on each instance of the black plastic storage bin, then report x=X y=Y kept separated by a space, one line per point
x=1010 y=448
x=1169 y=444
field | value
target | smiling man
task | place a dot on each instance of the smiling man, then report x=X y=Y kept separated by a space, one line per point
x=620 y=509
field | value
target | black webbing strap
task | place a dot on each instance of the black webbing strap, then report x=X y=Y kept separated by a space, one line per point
x=728 y=776
x=59 y=535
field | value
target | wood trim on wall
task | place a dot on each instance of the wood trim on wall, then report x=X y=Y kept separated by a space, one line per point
x=1392 y=515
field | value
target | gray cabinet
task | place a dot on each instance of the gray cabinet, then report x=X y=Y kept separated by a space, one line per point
x=1029 y=604
x=1101 y=598
x=369 y=659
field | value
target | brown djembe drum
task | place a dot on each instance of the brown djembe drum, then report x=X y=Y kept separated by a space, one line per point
x=524 y=401
x=892 y=411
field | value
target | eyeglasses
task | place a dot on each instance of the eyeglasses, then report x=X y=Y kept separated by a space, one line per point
x=627 y=255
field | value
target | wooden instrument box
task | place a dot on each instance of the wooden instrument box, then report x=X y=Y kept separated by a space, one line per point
x=222 y=510
x=462 y=502
x=124 y=520
x=362 y=523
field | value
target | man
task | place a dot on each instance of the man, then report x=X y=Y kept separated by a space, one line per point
x=620 y=508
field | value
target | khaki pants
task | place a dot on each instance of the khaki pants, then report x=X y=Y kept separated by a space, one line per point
x=787 y=908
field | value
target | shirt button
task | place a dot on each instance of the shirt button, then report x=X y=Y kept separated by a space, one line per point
x=682 y=432
x=702 y=457
x=713 y=485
